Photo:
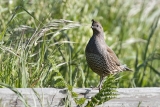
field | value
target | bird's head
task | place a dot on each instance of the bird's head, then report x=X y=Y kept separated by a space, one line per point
x=96 y=27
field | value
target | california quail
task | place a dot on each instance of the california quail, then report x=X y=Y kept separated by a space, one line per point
x=100 y=57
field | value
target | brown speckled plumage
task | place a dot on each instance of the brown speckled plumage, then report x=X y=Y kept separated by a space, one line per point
x=100 y=57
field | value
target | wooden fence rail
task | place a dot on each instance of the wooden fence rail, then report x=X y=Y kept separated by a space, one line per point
x=52 y=97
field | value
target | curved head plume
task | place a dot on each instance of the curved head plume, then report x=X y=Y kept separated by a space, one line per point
x=96 y=27
x=93 y=20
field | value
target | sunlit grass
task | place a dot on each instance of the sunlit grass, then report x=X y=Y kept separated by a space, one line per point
x=42 y=42
x=39 y=39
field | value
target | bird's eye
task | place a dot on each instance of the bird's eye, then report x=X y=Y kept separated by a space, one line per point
x=97 y=25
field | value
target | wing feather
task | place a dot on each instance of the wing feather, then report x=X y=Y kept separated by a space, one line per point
x=113 y=56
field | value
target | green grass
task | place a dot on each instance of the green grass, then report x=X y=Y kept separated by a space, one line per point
x=40 y=38
x=42 y=42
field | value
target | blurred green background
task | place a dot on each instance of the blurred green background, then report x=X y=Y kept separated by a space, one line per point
x=42 y=42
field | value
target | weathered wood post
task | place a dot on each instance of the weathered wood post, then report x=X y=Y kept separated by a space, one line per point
x=52 y=97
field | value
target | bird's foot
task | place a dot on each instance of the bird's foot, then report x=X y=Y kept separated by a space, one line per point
x=94 y=88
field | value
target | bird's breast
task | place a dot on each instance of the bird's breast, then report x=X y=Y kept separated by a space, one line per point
x=95 y=45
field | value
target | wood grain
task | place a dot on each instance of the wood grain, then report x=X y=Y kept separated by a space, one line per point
x=52 y=97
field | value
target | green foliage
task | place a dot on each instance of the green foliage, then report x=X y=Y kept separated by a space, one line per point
x=42 y=42
x=107 y=92
x=33 y=42
x=80 y=101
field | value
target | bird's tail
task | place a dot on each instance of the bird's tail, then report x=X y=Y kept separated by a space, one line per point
x=125 y=68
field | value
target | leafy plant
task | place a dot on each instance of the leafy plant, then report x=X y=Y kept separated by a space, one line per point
x=107 y=92
x=42 y=42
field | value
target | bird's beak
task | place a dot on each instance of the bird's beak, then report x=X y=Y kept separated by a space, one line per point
x=93 y=27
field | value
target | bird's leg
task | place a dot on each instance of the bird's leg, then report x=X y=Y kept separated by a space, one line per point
x=100 y=84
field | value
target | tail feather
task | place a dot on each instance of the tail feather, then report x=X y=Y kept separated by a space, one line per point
x=125 y=68
x=128 y=69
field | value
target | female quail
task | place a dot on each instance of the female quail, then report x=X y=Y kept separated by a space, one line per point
x=100 y=57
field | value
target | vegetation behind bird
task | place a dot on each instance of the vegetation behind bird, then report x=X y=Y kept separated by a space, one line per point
x=36 y=43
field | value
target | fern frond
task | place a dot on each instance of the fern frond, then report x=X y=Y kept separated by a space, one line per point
x=107 y=92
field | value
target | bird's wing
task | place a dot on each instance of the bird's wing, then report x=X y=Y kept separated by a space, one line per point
x=113 y=56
